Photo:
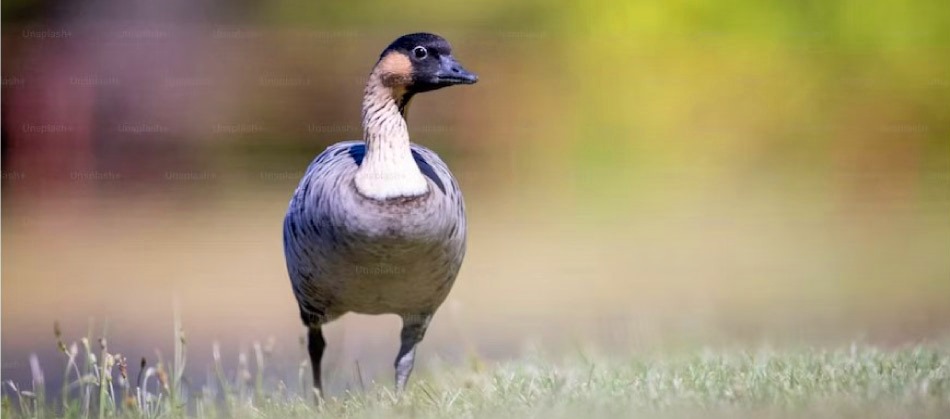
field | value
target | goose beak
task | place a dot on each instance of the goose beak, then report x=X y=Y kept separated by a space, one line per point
x=451 y=72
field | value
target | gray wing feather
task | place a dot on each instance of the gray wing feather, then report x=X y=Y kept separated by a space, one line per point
x=308 y=216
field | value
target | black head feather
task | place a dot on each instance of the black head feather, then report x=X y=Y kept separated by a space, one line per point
x=432 y=42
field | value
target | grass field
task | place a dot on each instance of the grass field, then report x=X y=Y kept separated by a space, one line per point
x=855 y=381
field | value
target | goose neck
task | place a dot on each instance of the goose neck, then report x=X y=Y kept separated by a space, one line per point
x=388 y=169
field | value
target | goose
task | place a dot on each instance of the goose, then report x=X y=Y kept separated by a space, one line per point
x=378 y=226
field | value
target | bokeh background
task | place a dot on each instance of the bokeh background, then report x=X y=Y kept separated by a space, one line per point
x=639 y=176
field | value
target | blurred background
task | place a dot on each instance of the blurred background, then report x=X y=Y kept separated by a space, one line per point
x=639 y=176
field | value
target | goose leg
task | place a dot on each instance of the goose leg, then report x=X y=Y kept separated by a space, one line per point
x=413 y=329
x=315 y=346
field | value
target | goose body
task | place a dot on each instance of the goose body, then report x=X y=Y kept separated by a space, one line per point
x=350 y=253
x=378 y=226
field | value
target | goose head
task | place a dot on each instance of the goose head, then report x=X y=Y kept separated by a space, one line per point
x=421 y=62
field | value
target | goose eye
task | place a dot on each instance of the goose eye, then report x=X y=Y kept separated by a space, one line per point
x=420 y=52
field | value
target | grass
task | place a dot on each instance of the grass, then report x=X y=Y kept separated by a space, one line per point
x=856 y=381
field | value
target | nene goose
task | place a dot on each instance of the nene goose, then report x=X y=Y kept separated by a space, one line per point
x=378 y=226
